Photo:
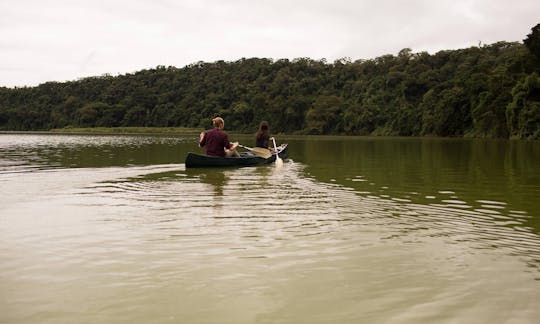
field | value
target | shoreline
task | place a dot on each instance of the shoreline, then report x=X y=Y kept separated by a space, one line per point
x=113 y=131
x=196 y=131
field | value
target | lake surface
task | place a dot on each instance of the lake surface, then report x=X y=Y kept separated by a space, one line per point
x=114 y=229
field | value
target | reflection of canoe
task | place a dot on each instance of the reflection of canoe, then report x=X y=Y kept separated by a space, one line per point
x=194 y=160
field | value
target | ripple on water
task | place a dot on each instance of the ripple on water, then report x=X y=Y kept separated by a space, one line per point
x=280 y=203
x=139 y=235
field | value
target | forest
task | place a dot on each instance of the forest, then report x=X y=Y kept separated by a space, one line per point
x=490 y=91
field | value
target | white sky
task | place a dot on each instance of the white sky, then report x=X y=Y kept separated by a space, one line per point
x=61 y=40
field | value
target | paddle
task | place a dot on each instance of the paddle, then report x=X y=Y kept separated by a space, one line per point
x=259 y=151
x=279 y=161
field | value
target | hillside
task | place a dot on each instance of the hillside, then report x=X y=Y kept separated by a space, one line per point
x=488 y=91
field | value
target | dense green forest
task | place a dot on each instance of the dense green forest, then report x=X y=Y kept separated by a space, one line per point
x=485 y=91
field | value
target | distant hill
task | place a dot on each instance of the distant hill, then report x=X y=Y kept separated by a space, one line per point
x=489 y=91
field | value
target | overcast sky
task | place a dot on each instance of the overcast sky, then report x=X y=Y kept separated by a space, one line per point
x=61 y=40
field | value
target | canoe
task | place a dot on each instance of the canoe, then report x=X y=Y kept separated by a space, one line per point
x=195 y=160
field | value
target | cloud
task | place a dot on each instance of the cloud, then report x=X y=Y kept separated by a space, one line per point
x=68 y=39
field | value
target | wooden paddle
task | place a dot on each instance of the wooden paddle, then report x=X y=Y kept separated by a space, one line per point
x=279 y=161
x=259 y=151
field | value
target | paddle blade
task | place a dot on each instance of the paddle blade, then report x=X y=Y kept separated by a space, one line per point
x=279 y=162
x=262 y=152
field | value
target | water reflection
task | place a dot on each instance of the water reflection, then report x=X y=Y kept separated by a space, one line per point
x=426 y=170
x=216 y=179
x=27 y=152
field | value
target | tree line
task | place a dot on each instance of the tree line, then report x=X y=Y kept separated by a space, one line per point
x=483 y=91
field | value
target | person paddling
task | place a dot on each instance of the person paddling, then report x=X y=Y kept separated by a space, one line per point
x=262 y=137
x=216 y=141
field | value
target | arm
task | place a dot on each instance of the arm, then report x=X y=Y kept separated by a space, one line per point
x=229 y=145
x=202 y=139
x=226 y=144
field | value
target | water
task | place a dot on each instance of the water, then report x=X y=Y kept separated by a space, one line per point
x=114 y=229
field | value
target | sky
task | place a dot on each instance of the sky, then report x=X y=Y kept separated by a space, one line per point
x=65 y=40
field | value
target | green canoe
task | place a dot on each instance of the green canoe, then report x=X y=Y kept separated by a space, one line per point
x=195 y=160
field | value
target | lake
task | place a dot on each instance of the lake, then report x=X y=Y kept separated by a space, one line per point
x=114 y=229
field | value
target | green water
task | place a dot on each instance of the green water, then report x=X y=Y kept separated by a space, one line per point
x=473 y=170
x=114 y=229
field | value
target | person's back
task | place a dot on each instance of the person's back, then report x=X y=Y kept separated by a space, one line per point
x=216 y=141
x=262 y=137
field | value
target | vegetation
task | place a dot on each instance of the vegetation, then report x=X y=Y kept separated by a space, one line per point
x=486 y=91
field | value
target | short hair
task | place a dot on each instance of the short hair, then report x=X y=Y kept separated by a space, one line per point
x=218 y=121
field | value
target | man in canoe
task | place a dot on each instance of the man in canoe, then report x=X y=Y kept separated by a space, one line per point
x=216 y=141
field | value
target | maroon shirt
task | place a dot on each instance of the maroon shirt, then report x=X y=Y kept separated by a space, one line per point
x=215 y=140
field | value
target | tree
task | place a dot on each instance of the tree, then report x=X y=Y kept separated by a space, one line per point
x=241 y=116
x=445 y=113
x=450 y=93
x=88 y=115
x=160 y=115
x=523 y=114
x=533 y=41
x=322 y=117
x=111 y=116
x=135 y=116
